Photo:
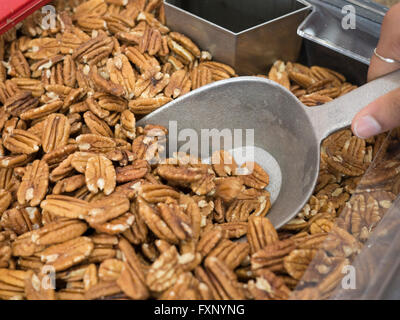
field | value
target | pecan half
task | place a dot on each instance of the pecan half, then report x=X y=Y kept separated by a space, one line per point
x=100 y=175
x=268 y=286
x=33 y=187
x=20 y=103
x=164 y=272
x=107 y=209
x=220 y=279
x=21 y=141
x=132 y=279
x=67 y=254
x=65 y=206
x=55 y=132
x=261 y=233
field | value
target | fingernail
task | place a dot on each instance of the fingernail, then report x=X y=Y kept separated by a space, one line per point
x=366 y=127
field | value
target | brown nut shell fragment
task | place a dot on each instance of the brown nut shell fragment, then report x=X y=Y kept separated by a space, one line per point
x=100 y=175
x=67 y=254
x=33 y=187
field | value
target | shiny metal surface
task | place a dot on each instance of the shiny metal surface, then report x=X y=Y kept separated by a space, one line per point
x=248 y=35
x=324 y=27
x=282 y=126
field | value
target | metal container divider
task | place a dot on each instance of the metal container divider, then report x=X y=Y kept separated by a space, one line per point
x=243 y=35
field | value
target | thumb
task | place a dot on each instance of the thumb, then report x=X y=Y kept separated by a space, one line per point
x=379 y=116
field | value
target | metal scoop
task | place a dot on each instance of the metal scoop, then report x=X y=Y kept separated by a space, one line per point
x=284 y=129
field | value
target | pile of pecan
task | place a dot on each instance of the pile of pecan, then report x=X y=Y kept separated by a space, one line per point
x=313 y=86
x=83 y=202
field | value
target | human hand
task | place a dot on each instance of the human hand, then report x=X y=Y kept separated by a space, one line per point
x=384 y=113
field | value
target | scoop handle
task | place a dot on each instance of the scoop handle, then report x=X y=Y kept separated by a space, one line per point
x=339 y=113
